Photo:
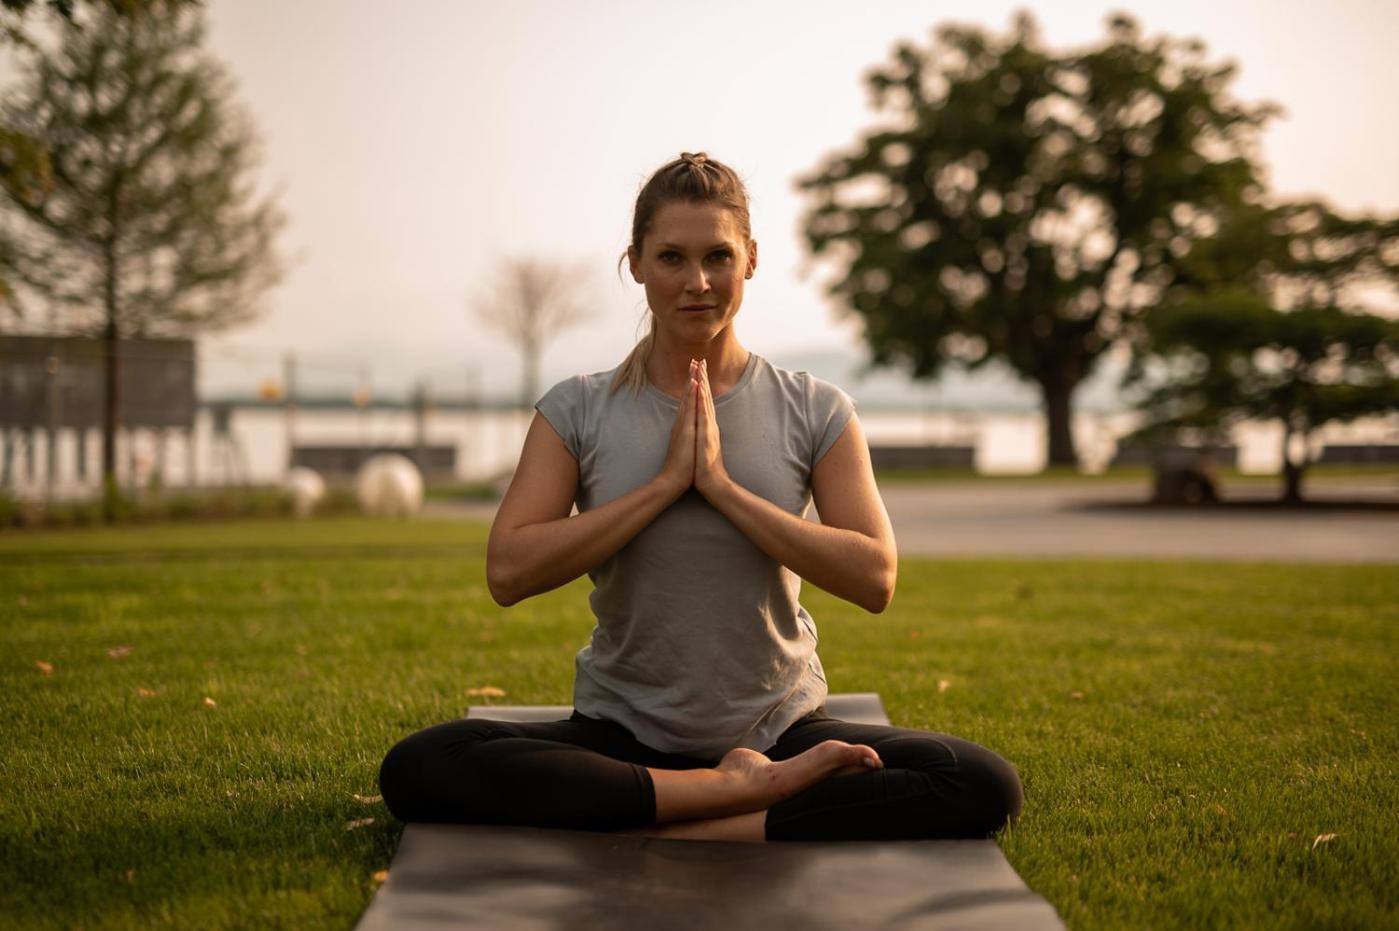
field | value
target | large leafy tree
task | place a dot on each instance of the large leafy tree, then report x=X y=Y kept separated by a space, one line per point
x=1271 y=327
x=151 y=224
x=1026 y=205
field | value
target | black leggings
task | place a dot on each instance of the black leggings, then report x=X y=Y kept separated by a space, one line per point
x=590 y=775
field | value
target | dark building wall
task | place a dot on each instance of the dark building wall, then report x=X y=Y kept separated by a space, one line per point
x=45 y=378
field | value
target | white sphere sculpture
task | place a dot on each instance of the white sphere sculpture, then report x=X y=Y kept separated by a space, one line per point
x=306 y=488
x=389 y=485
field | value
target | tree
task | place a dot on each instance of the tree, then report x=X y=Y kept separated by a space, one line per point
x=24 y=163
x=1028 y=206
x=532 y=301
x=151 y=225
x=1270 y=328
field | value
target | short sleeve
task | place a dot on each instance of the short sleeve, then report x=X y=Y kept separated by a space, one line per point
x=828 y=410
x=562 y=406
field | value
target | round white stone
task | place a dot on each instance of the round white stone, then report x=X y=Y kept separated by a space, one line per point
x=389 y=485
x=307 y=489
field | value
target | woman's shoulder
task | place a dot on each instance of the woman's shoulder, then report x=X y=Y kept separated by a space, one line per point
x=799 y=383
x=582 y=386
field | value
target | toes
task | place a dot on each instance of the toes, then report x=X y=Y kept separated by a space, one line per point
x=867 y=756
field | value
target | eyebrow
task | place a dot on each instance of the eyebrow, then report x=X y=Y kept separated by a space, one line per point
x=680 y=248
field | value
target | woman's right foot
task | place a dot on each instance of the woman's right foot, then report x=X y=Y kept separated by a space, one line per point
x=770 y=782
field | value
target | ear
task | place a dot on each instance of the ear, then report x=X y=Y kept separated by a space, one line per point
x=634 y=263
x=752 y=258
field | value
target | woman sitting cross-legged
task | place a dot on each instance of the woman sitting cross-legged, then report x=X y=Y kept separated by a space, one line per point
x=699 y=704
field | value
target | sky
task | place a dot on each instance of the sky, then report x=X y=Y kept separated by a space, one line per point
x=413 y=145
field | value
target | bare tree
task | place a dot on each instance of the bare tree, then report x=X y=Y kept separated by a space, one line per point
x=531 y=302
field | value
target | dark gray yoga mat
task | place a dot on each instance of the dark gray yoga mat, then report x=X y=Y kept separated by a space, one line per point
x=514 y=878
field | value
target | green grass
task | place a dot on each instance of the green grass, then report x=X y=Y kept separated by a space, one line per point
x=1184 y=731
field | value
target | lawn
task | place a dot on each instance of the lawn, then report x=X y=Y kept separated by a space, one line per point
x=196 y=714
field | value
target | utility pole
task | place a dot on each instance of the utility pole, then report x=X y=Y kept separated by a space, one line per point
x=289 y=403
x=362 y=398
x=51 y=368
x=420 y=405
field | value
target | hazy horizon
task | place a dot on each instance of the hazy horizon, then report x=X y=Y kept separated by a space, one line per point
x=414 y=147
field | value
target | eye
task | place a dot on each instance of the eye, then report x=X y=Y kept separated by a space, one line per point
x=721 y=255
x=670 y=255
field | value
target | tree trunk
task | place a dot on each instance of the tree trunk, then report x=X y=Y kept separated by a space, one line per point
x=1057 y=390
x=111 y=413
x=529 y=350
x=1292 y=472
x=1292 y=482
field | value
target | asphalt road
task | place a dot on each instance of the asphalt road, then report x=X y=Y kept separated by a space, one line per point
x=1043 y=518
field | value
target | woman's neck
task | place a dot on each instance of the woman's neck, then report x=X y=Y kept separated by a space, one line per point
x=668 y=366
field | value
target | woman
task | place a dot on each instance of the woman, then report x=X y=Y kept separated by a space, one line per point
x=699 y=704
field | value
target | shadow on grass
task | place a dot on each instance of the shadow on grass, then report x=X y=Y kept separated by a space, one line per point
x=135 y=862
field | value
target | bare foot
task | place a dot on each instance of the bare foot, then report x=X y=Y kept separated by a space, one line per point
x=770 y=782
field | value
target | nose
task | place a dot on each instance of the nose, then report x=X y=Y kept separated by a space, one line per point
x=696 y=279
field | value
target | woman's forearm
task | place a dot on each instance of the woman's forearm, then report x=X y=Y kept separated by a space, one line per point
x=535 y=558
x=845 y=563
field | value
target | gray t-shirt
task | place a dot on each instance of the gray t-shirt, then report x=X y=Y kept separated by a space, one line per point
x=700 y=644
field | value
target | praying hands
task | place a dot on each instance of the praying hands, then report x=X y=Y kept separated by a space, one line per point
x=695 y=456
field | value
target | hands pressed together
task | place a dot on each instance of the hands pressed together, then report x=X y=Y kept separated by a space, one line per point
x=694 y=457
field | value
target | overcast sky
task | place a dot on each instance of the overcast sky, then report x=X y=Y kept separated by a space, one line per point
x=414 y=143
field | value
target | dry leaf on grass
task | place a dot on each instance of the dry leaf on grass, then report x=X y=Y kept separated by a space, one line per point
x=486 y=691
x=301 y=649
x=45 y=668
x=915 y=633
x=358 y=823
x=131 y=875
x=943 y=685
x=119 y=652
x=1322 y=839
x=210 y=702
x=1076 y=696
x=145 y=692
x=367 y=799
x=381 y=876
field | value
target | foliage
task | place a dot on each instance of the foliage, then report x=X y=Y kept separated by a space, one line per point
x=203 y=505
x=150 y=222
x=1269 y=323
x=1231 y=357
x=1030 y=206
x=24 y=161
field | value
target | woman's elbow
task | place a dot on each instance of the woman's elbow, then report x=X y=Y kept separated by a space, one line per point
x=501 y=583
x=881 y=594
x=878 y=601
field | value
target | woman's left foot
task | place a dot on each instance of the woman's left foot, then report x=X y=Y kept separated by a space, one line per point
x=772 y=782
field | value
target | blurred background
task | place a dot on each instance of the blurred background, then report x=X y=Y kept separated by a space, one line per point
x=1136 y=239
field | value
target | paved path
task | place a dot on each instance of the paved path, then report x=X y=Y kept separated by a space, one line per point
x=1042 y=518
x=1107 y=519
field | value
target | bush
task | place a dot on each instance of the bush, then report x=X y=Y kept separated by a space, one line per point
x=220 y=504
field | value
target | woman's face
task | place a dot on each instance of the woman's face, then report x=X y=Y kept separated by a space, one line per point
x=693 y=262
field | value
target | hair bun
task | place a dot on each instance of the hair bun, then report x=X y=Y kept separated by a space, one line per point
x=694 y=158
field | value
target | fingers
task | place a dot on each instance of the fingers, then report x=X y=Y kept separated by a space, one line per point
x=706 y=398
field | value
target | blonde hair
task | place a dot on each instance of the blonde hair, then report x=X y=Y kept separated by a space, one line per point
x=698 y=179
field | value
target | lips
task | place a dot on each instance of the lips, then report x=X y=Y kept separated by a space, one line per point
x=698 y=307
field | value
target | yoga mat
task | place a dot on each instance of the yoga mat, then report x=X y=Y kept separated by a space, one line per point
x=515 y=878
